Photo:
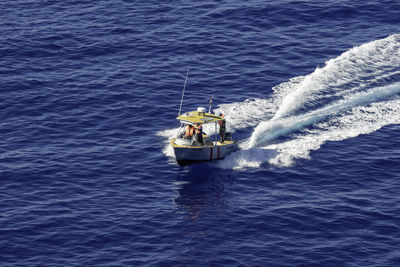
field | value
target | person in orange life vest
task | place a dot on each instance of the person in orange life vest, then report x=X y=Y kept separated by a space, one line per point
x=198 y=130
x=222 y=127
x=189 y=131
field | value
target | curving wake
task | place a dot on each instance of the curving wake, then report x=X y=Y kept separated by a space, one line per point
x=355 y=93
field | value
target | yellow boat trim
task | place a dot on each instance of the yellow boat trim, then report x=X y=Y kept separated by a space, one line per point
x=193 y=117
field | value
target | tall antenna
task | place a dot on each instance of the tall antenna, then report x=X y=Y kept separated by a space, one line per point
x=211 y=99
x=183 y=93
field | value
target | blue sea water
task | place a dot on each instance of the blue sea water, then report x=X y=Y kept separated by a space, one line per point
x=90 y=92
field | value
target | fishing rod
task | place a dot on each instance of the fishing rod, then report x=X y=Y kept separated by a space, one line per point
x=183 y=92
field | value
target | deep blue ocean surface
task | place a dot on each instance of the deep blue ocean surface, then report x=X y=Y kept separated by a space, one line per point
x=90 y=92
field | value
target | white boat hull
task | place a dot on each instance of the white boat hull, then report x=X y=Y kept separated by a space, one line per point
x=214 y=151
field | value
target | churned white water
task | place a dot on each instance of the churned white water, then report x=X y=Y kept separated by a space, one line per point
x=355 y=93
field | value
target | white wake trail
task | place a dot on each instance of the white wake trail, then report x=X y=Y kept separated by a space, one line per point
x=270 y=130
x=346 y=74
x=355 y=93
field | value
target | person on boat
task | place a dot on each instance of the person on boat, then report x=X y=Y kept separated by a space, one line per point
x=198 y=130
x=222 y=127
x=189 y=131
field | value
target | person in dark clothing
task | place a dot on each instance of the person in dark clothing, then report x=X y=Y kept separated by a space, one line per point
x=222 y=127
x=198 y=129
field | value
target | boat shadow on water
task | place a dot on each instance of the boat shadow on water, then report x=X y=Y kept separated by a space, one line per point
x=199 y=188
x=202 y=172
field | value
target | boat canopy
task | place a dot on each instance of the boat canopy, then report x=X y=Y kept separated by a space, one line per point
x=193 y=117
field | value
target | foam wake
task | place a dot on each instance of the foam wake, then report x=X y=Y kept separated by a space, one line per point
x=355 y=93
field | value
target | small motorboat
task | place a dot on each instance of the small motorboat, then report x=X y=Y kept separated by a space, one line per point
x=189 y=150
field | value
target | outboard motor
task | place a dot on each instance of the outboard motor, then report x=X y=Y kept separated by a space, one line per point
x=228 y=136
